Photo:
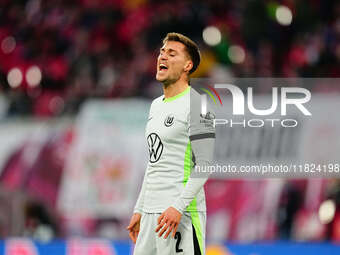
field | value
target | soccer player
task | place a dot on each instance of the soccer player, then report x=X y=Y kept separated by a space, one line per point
x=170 y=213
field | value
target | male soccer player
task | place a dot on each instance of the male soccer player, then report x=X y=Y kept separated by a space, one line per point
x=170 y=213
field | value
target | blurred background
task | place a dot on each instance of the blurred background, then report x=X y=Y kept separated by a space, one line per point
x=76 y=83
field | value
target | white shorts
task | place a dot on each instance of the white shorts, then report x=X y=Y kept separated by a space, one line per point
x=189 y=238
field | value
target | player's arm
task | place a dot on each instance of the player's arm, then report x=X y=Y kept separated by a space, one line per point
x=202 y=146
x=140 y=201
x=201 y=131
x=202 y=138
x=134 y=224
x=203 y=149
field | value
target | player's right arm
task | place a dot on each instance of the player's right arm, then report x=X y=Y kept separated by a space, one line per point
x=134 y=224
x=140 y=201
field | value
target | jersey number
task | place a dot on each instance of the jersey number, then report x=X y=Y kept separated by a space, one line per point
x=178 y=237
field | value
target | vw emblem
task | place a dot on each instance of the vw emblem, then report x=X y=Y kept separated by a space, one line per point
x=169 y=120
x=155 y=147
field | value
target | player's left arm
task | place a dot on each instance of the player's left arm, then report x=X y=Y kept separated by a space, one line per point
x=202 y=149
x=170 y=218
x=202 y=141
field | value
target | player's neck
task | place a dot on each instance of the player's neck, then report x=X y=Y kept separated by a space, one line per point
x=174 y=89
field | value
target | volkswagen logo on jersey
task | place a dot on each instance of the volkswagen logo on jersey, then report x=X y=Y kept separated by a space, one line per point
x=169 y=120
x=155 y=147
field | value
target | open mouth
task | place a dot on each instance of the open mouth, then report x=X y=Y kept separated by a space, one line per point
x=163 y=67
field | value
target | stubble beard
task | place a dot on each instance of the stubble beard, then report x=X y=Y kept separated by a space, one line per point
x=166 y=83
x=169 y=80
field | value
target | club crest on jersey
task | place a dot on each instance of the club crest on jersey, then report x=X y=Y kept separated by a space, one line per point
x=169 y=120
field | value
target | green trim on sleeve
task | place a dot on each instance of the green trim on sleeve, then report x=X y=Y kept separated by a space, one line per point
x=192 y=208
x=188 y=166
x=169 y=99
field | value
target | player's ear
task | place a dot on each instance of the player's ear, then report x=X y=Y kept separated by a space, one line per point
x=188 y=66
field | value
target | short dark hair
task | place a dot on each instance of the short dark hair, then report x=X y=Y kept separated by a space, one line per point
x=190 y=46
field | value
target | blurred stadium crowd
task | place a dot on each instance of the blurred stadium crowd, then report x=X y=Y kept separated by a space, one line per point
x=55 y=54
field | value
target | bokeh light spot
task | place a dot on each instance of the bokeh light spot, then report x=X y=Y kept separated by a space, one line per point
x=236 y=54
x=212 y=36
x=33 y=76
x=284 y=15
x=14 y=77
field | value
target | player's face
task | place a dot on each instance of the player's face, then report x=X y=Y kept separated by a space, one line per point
x=172 y=62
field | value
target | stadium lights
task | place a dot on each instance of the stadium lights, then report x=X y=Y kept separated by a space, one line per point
x=33 y=76
x=14 y=77
x=236 y=54
x=8 y=44
x=284 y=15
x=212 y=36
x=327 y=211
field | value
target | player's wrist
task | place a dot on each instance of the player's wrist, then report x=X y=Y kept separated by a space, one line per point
x=137 y=210
x=176 y=209
x=177 y=205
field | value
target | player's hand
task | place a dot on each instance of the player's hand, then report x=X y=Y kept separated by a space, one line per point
x=134 y=226
x=168 y=221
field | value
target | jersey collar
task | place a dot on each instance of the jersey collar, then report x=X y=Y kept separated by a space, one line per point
x=169 y=99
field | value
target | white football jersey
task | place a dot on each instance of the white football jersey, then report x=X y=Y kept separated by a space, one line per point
x=169 y=131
